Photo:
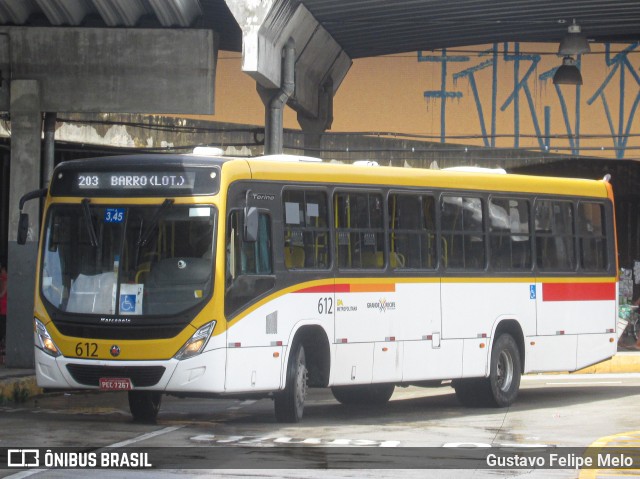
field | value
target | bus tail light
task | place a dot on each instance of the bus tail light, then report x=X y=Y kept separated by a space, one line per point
x=197 y=342
x=43 y=340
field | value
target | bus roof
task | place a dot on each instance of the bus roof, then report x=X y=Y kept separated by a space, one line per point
x=301 y=170
x=424 y=178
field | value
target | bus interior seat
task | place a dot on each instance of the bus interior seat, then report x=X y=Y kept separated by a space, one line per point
x=294 y=257
x=376 y=260
x=176 y=284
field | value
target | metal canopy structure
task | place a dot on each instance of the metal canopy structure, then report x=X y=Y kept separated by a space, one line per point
x=363 y=28
x=367 y=28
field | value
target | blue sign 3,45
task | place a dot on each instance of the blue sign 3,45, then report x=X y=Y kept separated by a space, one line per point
x=114 y=215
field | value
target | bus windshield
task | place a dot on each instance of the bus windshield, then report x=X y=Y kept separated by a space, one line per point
x=152 y=260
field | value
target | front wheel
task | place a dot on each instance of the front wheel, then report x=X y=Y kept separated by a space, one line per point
x=144 y=405
x=289 y=404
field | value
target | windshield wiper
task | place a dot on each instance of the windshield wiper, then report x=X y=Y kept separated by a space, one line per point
x=93 y=238
x=154 y=221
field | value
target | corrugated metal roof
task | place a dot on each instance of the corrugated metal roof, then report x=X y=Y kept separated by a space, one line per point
x=362 y=27
x=376 y=27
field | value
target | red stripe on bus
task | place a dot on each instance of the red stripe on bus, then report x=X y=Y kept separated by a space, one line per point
x=351 y=288
x=578 y=291
x=326 y=288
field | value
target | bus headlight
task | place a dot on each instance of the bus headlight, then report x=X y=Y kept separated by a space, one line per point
x=197 y=342
x=43 y=340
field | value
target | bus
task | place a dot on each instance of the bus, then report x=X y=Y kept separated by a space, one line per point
x=197 y=275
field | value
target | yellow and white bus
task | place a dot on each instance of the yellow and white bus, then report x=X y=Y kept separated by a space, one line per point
x=202 y=275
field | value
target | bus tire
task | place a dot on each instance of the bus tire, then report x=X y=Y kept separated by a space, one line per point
x=144 y=405
x=471 y=392
x=500 y=389
x=371 y=394
x=289 y=403
x=505 y=372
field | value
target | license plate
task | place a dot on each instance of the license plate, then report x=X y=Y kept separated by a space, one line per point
x=115 y=384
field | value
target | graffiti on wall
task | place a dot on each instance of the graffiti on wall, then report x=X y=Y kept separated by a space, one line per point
x=512 y=90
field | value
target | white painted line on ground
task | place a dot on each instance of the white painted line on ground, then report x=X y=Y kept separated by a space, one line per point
x=144 y=437
x=583 y=383
x=571 y=377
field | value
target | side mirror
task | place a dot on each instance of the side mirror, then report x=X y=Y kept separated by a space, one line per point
x=251 y=224
x=23 y=228
x=23 y=221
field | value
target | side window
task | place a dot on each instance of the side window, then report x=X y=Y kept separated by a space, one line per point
x=554 y=235
x=249 y=266
x=509 y=235
x=248 y=257
x=359 y=230
x=412 y=232
x=592 y=237
x=306 y=229
x=462 y=233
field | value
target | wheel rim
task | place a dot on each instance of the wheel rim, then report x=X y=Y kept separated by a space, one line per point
x=504 y=372
x=301 y=385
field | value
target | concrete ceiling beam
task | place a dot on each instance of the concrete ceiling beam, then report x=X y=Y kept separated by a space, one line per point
x=112 y=69
x=266 y=26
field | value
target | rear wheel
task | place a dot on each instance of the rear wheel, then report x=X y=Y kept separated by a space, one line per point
x=500 y=389
x=289 y=404
x=144 y=405
x=373 y=394
x=504 y=377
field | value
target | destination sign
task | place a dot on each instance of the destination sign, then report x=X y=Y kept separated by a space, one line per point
x=98 y=178
x=135 y=180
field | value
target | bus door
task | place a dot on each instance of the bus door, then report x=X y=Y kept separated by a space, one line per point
x=363 y=298
x=417 y=322
x=255 y=343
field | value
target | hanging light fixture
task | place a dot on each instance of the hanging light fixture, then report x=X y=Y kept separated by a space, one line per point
x=568 y=73
x=574 y=42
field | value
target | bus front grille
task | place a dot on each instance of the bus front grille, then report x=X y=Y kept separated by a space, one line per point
x=141 y=376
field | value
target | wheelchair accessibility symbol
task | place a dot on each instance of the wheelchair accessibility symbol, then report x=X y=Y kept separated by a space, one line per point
x=127 y=303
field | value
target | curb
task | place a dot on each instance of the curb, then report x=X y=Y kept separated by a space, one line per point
x=19 y=389
x=625 y=362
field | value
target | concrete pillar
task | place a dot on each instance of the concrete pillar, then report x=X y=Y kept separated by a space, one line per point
x=26 y=128
x=314 y=127
x=49 y=148
x=276 y=99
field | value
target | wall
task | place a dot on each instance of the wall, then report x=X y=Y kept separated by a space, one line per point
x=498 y=95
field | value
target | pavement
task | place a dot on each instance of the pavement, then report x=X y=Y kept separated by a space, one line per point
x=19 y=385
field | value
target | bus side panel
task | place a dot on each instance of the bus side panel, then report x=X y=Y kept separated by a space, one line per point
x=552 y=353
x=203 y=373
x=470 y=309
x=256 y=336
x=353 y=364
x=387 y=362
x=432 y=359
x=593 y=348
x=476 y=357
x=576 y=307
x=253 y=369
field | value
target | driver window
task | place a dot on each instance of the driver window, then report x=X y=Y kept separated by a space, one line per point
x=249 y=264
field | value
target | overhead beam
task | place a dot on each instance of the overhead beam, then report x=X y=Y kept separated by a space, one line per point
x=115 y=70
x=266 y=27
